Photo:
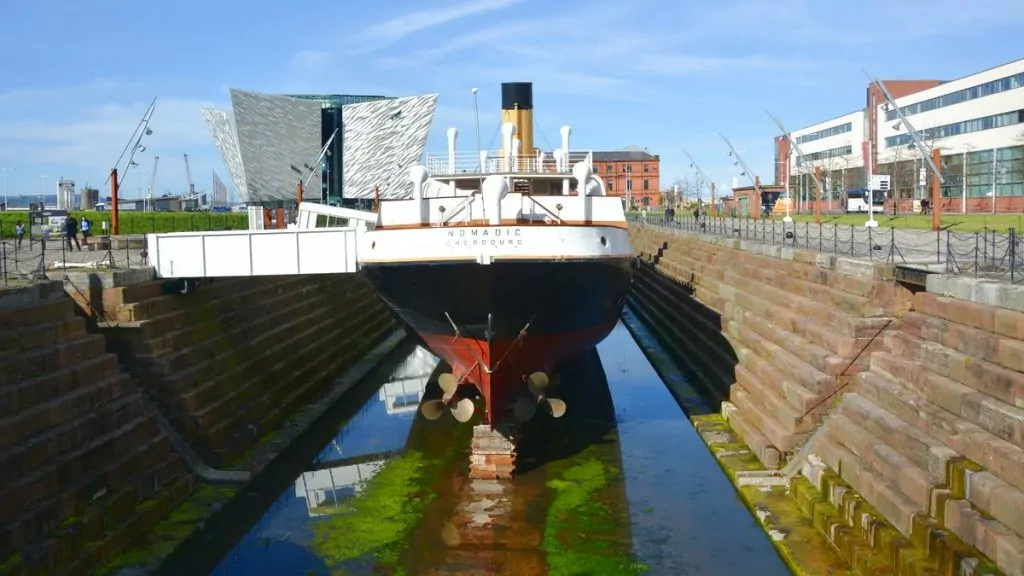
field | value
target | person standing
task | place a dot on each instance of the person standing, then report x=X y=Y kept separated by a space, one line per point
x=86 y=229
x=19 y=235
x=71 y=231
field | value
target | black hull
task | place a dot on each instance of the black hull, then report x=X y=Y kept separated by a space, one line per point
x=495 y=302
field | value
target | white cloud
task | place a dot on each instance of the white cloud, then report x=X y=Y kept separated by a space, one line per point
x=386 y=33
x=79 y=131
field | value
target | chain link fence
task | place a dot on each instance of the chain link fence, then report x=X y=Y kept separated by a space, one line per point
x=26 y=262
x=983 y=254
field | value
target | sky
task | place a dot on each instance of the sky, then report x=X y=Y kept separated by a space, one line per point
x=668 y=76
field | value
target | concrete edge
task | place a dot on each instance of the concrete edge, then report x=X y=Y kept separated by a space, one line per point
x=979 y=291
x=838 y=263
x=266 y=452
x=765 y=493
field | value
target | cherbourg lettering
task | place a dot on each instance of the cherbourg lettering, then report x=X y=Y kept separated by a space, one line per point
x=484 y=237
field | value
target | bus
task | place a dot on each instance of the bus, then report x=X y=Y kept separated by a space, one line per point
x=857 y=200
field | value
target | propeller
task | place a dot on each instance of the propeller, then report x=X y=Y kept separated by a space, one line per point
x=449 y=384
x=557 y=407
x=463 y=410
x=538 y=383
x=434 y=409
x=524 y=409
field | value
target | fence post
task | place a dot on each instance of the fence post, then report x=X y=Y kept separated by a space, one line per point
x=977 y=249
x=1013 y=255
x=3 y=261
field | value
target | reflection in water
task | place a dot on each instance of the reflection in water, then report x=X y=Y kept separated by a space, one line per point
x=565 y=511
x=283 y=540
x=621 y=480
x=686 y=515
x=335 y=476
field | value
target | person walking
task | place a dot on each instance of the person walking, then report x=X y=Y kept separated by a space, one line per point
x=71 y=231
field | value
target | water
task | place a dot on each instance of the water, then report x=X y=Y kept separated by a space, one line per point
x=620 y=484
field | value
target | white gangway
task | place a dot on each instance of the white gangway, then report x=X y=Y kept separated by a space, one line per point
x=301 y=249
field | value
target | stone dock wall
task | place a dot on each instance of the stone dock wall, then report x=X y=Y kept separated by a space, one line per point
x=88 y=362
x=902 y=413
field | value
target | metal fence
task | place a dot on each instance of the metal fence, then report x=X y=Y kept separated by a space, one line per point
x=983 y=254
x=31 y=261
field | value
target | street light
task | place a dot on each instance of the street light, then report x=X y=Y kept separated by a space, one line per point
x=5 y=171
x=42 y=186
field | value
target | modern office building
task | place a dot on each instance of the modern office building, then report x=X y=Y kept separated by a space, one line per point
x=271 y=142
x=976 y=122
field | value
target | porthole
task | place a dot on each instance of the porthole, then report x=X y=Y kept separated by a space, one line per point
x=604 y=241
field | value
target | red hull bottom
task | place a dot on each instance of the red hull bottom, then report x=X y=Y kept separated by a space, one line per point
x=499 y=369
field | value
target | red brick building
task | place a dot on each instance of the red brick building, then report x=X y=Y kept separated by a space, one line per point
x=631 y=174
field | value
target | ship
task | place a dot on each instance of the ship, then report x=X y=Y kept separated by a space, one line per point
x=506 y=264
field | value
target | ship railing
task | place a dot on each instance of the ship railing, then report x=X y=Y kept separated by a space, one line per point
x=494 y=162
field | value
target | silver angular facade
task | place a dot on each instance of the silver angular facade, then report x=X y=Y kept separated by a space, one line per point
x=381 y=141
x=222 y=126
x=269 y=141
x=279 y=141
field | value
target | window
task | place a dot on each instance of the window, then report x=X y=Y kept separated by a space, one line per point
x=985 y=171
x=972 y=93
x=611 y=186
x=645 y=168
x=833 y=131
x=629 y=184
x=608 y=168
x=628 y=169
x=957 y=128
x=647 y=185
x=830 y=153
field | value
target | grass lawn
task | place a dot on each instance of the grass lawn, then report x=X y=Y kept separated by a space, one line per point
x=144 y=222
x=954 y=222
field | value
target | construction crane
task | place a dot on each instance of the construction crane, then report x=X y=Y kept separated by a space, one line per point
x=188 y=173
x=152 y=181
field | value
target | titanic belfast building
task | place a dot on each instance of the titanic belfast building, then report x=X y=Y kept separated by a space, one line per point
x=269 y=142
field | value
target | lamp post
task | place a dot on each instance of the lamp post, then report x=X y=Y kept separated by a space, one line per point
x=5 y=171
x=42 y=195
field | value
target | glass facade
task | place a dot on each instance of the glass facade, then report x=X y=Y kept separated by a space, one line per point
x=827 y=132
x=973 y=93
x=984 y=171
x=965 y=127
x=331 y=119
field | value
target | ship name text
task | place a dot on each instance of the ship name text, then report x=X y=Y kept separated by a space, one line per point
x=484 y=238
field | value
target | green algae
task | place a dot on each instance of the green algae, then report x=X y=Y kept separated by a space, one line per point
x=170 y=532
x=12 y=565
x=377 y=521
x=579 y=533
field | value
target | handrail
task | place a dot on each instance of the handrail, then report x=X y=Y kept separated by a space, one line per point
x=545 y=208
x=460 y=206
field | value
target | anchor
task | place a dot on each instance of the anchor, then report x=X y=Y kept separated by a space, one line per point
x=462 y=409
x=525 y=408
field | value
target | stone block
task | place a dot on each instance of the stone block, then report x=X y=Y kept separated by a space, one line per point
x=923 y=450
x=997 y=498
x=990 y=537
x=1002 y=458
x=998 y=382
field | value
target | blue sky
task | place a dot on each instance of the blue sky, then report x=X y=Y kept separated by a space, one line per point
x=76 y=76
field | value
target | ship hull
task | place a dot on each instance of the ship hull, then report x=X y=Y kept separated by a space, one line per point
x=495 y=324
